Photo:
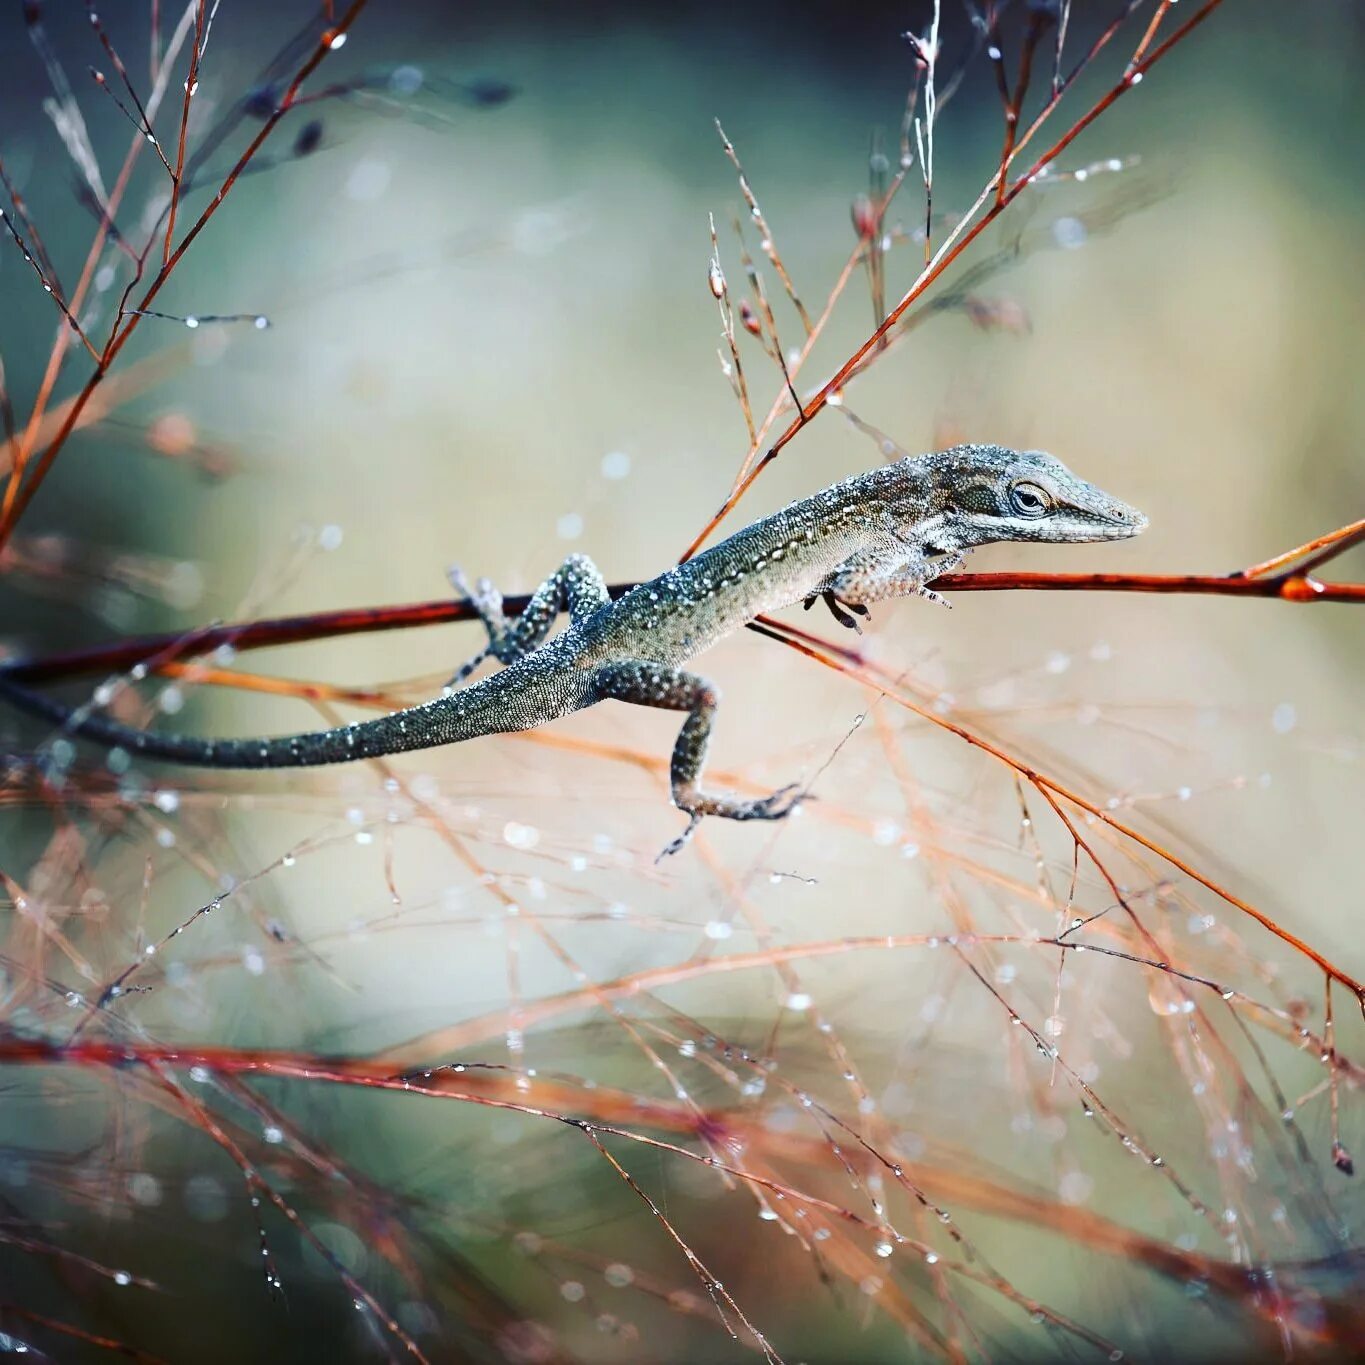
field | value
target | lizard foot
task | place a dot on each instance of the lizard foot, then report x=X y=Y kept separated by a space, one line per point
x=481 y=595
x=456 y=577
x=677 y=845
x=775 y=806
x=933 y=596
x=836 y=606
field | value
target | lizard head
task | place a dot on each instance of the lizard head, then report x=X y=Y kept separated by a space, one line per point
x=991 y=493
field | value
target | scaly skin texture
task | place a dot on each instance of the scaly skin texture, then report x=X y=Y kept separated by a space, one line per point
x=886 y=533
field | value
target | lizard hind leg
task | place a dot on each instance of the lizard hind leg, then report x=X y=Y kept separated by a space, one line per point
x=671 y=689
x=577 y=587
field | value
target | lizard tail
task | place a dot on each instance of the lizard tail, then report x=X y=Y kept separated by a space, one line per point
x=519 y=697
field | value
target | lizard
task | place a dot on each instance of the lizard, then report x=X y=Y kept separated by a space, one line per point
x=886 y=533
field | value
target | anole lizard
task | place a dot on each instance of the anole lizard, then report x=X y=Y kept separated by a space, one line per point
x=886 y=533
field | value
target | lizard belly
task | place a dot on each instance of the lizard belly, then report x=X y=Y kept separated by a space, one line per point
x=672 y=628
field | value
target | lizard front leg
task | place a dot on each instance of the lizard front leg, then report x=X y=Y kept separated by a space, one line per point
x=836 y=608
x=649 y=684
x=577 y=587
x=878 y=576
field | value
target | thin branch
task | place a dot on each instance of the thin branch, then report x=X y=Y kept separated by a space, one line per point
x=733 y=369
x=191 y=89
x=1014 y=103
x=49 y=284
x=142 y=122
x=767 y=243
x=36 y=422
x=1320 y=549
x=764 y=327
x=18 y=497
x=285 y=630
x=926 y=51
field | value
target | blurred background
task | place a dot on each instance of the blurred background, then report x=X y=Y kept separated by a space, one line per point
x=483 y=255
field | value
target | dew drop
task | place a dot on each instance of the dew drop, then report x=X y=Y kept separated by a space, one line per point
x=1070 y=234
x=520 y=836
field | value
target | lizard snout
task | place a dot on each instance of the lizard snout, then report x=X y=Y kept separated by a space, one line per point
x=1130 y=519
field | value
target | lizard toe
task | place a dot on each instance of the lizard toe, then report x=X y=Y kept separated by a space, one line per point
x=780 y=803
x=677 y=845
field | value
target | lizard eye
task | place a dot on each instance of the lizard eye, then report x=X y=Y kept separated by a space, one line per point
x=1028 y=500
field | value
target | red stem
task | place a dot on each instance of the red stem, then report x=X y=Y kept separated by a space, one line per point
x=155 y=650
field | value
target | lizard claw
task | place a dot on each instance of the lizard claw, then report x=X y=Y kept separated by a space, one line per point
x=836 y=606
x=457 y=580
x=455 y=577
x=486 y=597
x=677 y=845
x=780 y=803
